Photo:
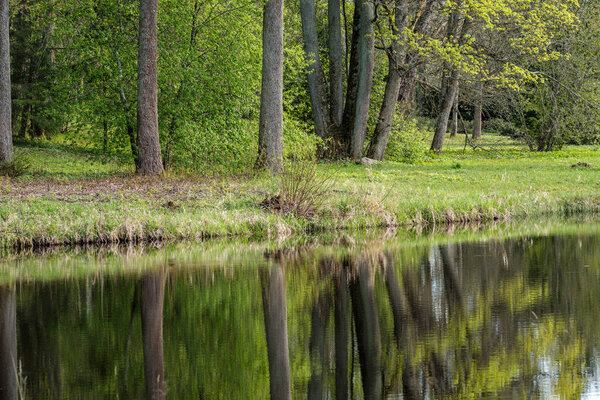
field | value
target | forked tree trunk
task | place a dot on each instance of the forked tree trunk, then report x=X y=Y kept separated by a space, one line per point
x=8 y=345
x=275 y=316
x=477 y=112
x=153 y=293
x=316 y=78
x=148 y=142
x=270 y=133
x=6 y=146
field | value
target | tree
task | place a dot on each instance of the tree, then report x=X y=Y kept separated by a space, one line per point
x=6 y=150
x=270 y=132
x=148 y=142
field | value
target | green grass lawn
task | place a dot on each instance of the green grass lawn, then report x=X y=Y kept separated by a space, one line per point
x=72 y=196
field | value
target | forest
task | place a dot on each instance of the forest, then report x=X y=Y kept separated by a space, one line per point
x=383 y=79
x=126 y=120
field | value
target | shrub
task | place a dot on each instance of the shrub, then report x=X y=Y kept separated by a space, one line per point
x=18 y=167
x=407 y=142
x=503 y=127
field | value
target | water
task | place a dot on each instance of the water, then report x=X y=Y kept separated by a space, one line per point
x=500 y=319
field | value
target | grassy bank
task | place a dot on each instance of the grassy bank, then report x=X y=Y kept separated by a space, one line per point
x=71 y=196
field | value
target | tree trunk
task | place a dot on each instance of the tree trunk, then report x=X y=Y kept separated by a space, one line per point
x=455 y=116
x=148 y=142
x=153 y=293
x=6 y=146
x=336 y=62
x=315 y=72
x=275 y=316
x=360 y=79
x=368 y=336
x=270 y=134
x=444 y=114
x=477 y=112
x=383 y=128
x=8 y=345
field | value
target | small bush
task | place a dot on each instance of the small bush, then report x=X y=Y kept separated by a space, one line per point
x=407 y=142
x=297 y=143
x=503 y=127
x=19 y=167
x=302 y=189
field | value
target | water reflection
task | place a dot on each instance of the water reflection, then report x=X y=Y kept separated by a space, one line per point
x=513 y=319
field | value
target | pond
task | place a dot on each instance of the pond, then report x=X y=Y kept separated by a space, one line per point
x=512 y=318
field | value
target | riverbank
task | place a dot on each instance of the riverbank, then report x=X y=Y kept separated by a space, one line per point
x=71 y=197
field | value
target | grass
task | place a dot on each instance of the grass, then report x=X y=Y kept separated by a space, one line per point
x=78 y=197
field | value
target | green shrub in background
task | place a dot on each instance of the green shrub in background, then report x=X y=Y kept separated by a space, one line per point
x=503 y=127
x=407 y=142
x=299 y=141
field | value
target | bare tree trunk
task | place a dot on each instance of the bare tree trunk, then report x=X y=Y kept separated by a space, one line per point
x=153 y=293
x=336 y=62
x=148 y=142
x=315 y=71
x=445 y=110
x=385 y=121
x=368 y=336
x=477 y=112
x=8 y=345
x=270 y=133
x=360 y=79
x=455 y=116
x=449 y=86
x=6 y=146
x=275 y=315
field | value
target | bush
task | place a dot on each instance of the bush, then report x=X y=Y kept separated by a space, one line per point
x=407 y=142
x=19 y=167
x=297 y=143
x=503 y=127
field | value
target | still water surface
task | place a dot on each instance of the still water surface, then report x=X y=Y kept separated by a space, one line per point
x=512 y=319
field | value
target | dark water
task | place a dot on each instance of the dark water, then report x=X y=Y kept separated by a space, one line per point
x=515 y=319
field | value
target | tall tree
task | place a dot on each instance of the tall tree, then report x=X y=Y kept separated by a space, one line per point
x=360 y=78
x=6 y=148
x=270 y=131
x=148 y=142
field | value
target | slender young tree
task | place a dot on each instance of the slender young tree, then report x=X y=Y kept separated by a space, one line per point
x=6 y=148
x=148 y=143
x=270 y=131
x=477 y=112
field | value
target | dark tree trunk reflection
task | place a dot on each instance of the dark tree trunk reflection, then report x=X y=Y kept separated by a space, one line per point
x=342 y=334
x=8 y=343
x=153 y=293
x=367 y=330
x=275 y=315
x=320 y=318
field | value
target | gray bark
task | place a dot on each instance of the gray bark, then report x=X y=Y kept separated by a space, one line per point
x=315 y=71
x=450 y=87
x=148 y=142
x=275 y=316
x=9 y=389
x=477 y=112
x=336 y=62
x=270 y=134
x=6 y=147
x=360 y=79
x=153 y=293
x=455 y=116
x=392 y=88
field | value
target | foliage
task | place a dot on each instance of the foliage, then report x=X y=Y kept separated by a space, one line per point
x=18 y=167
x=407 y=141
